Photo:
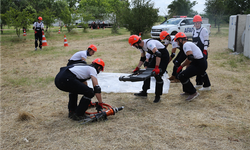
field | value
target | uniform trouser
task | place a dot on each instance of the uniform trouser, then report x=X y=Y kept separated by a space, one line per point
x=38 y=36
x=177 y=62
x=67 y=81
x=71 y=62
x=196 y=67
x=159 y=82
x=200 y=78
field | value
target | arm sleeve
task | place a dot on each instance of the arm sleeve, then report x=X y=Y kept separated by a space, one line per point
x=186 y=48
x=151 y=45
x=205 y=35
x=84 y=54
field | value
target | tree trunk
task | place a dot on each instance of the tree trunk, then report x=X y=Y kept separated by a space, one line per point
x=1 y=28
x=17 y=32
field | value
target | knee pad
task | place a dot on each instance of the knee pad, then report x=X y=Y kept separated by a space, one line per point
x=182 y=78
x=177 y=63
x=158 y=79
x=90 y=94
x=203 y=75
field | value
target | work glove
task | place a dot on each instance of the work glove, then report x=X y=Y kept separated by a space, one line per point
x=136 y=69
x=35 y=32
x=156 y=70
x=99 y=107
x=179 y=69
x=205 y=52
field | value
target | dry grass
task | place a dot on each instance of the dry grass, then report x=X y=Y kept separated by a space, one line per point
x=218 y=119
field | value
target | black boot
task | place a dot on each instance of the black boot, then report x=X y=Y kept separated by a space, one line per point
x=157 y=99
x=141 y=94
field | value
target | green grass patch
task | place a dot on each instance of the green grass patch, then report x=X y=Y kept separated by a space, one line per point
x=27 y=81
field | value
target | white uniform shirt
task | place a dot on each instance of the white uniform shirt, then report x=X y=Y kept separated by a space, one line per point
x=204 y=35
x=172 y=42
x=151 y=45
x=79 y=55
x=189 y=46
x=37 y=25
x=84 y=72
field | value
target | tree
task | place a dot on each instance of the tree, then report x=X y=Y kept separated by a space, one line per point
x=85 y=18
x=5 y=5
x=48 y=17
x=18 y=19
x=140 y=16
x=97 y=8
x=116 y=8
x=68 y=17
x=215 y=10
x=233 y=7
x=58 y=7
x=182 y=8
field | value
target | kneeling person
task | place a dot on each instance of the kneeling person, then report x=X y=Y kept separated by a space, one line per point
x=197 y=65
x=71 y=78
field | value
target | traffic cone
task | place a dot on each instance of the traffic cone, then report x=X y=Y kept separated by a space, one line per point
x=24 y=32
x=65 y=41
x=59 y=31
x=44 y=42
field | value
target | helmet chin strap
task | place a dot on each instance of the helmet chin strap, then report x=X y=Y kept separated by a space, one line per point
x=88 y=53
x=96 y=67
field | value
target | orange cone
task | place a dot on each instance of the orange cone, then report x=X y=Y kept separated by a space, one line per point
x=44 y=42
x=24 y=32
x=59 y=31
x=65 y=41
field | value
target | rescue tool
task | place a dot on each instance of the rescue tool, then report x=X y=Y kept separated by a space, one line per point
x=99 y=116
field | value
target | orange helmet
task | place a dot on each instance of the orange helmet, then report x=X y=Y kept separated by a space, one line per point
x=93 y=47
x=180 y=35
x=133 y=39
x=197 y=18
x=100 y=62
x=163 y=35
x=40 y=18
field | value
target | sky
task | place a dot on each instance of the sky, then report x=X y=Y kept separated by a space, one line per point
x=163 y=4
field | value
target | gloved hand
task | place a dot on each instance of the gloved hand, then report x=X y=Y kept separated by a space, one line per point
x=99 y=107
x=205 y=52
x=156 y=70
x=35 y=32
x=136 y=69
x=179 y=69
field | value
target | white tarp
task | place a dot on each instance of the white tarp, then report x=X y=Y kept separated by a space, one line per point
x=109 y=82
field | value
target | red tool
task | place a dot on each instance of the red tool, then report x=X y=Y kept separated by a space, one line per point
x=95 y=116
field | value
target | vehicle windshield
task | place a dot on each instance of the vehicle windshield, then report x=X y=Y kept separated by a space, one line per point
x=173 y=21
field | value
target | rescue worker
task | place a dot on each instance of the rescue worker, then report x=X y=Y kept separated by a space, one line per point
x=164 y=35
x=196 y=63
x=159 y=61
x=201 y=39
x=71 y=78
x=38 y=28
x=81 y=56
